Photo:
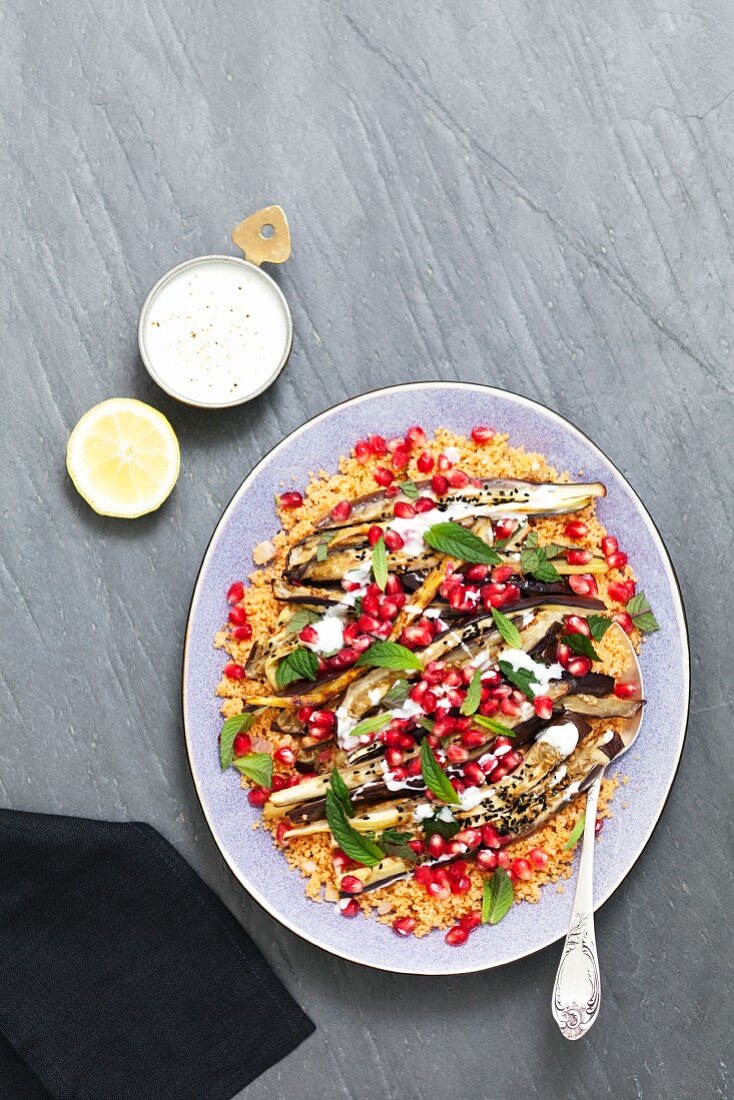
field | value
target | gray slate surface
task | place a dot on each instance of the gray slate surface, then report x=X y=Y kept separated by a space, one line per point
x=533 y=195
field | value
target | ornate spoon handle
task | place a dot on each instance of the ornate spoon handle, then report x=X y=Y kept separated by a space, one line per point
x=577 y=990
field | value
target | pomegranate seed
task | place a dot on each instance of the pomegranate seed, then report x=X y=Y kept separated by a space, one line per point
x=543 y=706
x=438 y=891
x=341 y=511
x=322 y=719
x=456 y=936
x=503 y=529
x=236 y=592
x=609 y=545
x=303 y=714
x=579 y=666
x=241 y=744
x=400 y=459
x=349 y=908
x=480 y=434
x=417 y=635
x=241 y=633
x=576 y=530
x=579 y=557
x=350 y=884
x=511 y=760
x=503 y=859
x=440 y=485
x=394 y=757
x=393 y=540
x=237 y=615
x=436 y=845
x=624 y=619
x=279 y=783
x=281 y=829
x=473 y=774
x=383 y=476
x=416 y=845
x=501 y=574
x=489 y=707
x=583 y=584
x=625 y=689
x=456 y=754
x=470 y=921
x=258 y=796
x=490 y=836
x=404 y=926
x=574 y=624
x=423 y=874
x=618 y=560
x=458 y=479
x=233 y=671
x=487 y=859
x=425 y=462
x=510 y=707
x=374 y=534
x=598 y=825
x=362 y=451
x=538 y=858
x=285 y=755
x=521 y=869
x=443 y=462
x=289 y=501
x=377 y=445
x=392 y=491
x=470 y=837
x=415 y=436
x=424 y=504
x=621 y=591
x=395 y=444
x=460 y=885
x=403 y=510
x=473 y=738
x=345 y=658
x=457 y=868
x=308 y=635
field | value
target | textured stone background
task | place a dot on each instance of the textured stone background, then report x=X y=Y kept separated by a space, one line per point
x=533 y=195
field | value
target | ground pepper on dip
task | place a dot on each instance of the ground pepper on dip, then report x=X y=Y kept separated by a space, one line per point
x=583 y=581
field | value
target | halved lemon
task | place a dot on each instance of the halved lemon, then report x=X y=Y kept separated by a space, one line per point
x=123 y=458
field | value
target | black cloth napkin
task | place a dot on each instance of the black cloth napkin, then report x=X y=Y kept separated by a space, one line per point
x=122 y=976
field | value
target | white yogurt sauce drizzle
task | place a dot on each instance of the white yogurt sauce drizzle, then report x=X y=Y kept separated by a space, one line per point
x=563 y=737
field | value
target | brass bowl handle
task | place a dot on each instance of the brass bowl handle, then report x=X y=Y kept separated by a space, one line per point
x=264 y=237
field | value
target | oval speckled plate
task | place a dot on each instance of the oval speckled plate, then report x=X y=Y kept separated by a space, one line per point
x=651 y=764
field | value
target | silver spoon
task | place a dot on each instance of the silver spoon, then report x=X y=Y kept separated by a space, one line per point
x=577 y=989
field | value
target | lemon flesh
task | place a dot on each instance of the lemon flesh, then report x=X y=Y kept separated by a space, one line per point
x=123 y=458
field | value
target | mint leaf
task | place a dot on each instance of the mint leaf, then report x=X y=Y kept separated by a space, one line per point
x=509 y=632
x=322 y=547
x=301 y=618
x=580 y=644
x=353 y=844
x=451 y=538
x=379 y=563
x=497 y=897
x=434 y=776
x=341 y=792
x=409 y=489
x=436 y=824
x=238 y=723
x=257 y=766
x=494 y=726
x=301 y=664
x=396 y=845
x=473 y=695
x=534 y=560
x=390 y=655
x=598 y=625
x=397 y=694
x=427 y=723
x=575 y=833
x=642 y=615
x=522 y=678
x=371 y=725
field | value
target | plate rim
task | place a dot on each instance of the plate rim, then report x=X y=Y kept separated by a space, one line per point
x=218 y=531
